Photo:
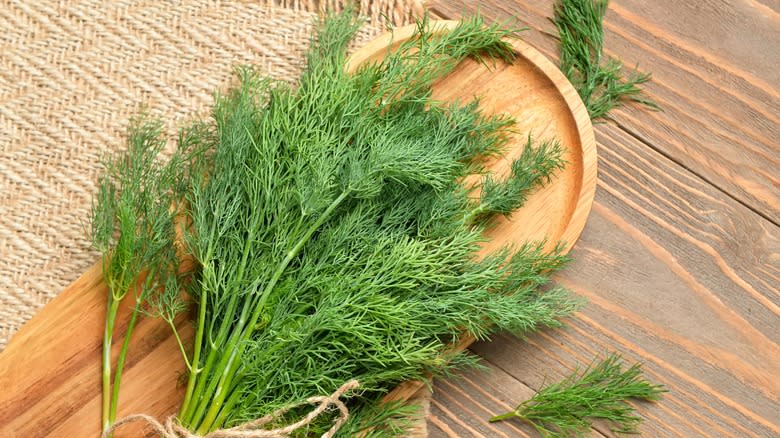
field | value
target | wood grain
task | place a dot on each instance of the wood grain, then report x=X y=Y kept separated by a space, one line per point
x=51 y=368
x=681 y=255
x=714 y=66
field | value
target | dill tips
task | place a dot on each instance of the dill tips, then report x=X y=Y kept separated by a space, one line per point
x=601 y=391
x=599 y=80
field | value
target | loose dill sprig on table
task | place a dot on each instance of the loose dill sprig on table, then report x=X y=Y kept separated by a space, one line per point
x=600 y=391
x=599 y=81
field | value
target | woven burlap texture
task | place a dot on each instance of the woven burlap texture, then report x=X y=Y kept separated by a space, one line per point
x=71 y=75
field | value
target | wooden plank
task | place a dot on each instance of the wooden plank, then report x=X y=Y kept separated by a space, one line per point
x=680 y=277
x=714 y=66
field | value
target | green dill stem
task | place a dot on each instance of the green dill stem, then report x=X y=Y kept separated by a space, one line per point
x=178 y=341
x=189 y=415
x=220 y=418
x=194 y=371
x=120 y=365
x=505 y=416
x=237 y=342
x=192 y=412
x=111 y=310
x=228 y=408
x=215 y=384
x=225 y=381
x=468 y=218
x=195 y=407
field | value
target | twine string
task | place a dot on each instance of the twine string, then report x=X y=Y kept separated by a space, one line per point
x=252 y=429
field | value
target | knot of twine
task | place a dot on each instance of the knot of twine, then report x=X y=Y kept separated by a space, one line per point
x=252 y=429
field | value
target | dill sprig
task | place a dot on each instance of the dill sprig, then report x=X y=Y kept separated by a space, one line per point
x=600 y=391
x=600 y=82
x=133 y=227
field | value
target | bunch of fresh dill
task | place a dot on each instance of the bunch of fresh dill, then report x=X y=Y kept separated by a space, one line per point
x=601 y=391
x=332 y=234
x=599 y=81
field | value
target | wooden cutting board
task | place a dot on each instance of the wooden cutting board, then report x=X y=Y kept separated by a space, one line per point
x=50 y=371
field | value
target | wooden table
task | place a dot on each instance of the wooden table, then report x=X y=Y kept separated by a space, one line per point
x=681 y=255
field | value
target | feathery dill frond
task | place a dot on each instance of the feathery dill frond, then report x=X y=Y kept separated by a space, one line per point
x=600 y=391
x=382 y=420
x=408 y=72
x=599 y=81
x=532 y=169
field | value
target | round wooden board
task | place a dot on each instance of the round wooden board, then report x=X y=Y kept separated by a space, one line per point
x=544 y=105
x=51 y=377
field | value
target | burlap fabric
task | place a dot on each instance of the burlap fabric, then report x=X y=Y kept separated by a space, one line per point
x=71 y=75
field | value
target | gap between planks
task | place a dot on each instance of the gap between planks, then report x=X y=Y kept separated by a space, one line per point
x=693 y=172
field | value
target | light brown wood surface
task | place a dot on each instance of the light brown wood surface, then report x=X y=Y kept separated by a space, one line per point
x=680 y=258
x=50 y=371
